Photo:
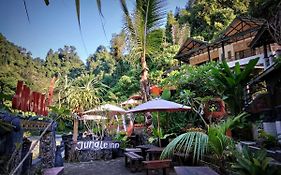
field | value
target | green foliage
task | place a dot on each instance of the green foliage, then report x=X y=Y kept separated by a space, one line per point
x=86 y=93
x=207 y=18
x=17 y=64
x=219 y=143
x=233 y=81
x=233 y=122
x=123 y=138
x=267 y=140
x=195 y=79
x=258 y=7
x=190 y=142
x=249 y=163
x=65 y=61
x=158 y=134
x=101 y=63
x=118 y=45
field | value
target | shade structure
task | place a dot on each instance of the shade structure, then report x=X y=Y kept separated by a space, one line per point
x=130 y=102
x=112 y=109
x=159 y=105
x=92 y=117
x=107 y=110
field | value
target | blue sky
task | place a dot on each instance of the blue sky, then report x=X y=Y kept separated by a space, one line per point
x=56 y=25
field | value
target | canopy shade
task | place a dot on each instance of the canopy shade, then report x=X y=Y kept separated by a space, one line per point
x=92 y=117
x=130 y=102
x=159 y=105
x=106 y=108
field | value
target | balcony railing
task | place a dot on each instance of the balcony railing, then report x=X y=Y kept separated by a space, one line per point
x=265 y=62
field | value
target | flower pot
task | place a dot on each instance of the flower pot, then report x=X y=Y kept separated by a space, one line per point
x=228 y=133
x=215 y=108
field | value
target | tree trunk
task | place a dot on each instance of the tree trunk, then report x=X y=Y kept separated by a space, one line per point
x=75 y=130
x=145 y=93
x=144 y=80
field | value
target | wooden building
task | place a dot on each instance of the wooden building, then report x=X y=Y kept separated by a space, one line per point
x=233 y=45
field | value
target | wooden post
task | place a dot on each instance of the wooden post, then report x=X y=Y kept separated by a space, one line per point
x=209 y=55
x=265 y=51
x=223 y=51
x=75 y=130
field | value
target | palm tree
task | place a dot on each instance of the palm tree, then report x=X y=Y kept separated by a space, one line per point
x=147 y=16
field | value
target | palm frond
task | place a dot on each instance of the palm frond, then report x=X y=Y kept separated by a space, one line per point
x=99 y=7
x=77 y=3
x=47 y=2
x=26 y=11
x=188 y=143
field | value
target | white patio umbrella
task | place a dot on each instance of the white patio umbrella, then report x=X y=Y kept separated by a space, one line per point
x=92 y=117
x=159 y=105
x=109 y=109
x=112 y=109
x=96 y=118
x=130 y=102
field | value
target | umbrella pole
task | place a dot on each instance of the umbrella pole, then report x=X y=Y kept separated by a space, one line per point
x=158 y=122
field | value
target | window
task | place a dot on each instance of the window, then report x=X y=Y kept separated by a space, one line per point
x=229 y=55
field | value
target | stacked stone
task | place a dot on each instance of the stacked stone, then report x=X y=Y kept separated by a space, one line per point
x=48 y=149
x=89 y=155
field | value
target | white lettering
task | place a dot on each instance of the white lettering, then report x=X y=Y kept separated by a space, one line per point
x=96 y=145
x=81 y=146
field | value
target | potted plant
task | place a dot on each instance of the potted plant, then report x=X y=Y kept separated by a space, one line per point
x=215 y=108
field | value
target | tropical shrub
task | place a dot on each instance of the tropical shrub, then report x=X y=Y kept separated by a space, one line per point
x=233 y=81
x=253 y=163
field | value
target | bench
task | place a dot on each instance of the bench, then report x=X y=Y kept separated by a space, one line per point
x=157 y=164
x=135 y=161
x=135 y=150
x=53 y=171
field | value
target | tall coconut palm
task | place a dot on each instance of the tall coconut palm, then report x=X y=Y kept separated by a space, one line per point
x=148 y=15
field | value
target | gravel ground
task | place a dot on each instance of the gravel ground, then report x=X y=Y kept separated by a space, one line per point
x=109 y=167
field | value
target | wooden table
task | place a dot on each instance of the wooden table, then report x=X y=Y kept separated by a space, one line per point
x=194 y=170
x=144 y=148
x=154 y=153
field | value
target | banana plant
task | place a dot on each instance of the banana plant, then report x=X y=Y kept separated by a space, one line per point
x=233 y=82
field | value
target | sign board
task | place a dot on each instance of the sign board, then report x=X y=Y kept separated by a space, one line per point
x=96 y=145
x=26 y=100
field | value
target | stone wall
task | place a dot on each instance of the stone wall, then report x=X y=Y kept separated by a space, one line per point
x=48 y=149
x=89 y=155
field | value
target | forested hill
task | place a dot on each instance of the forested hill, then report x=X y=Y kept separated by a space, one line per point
x=17 y=64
